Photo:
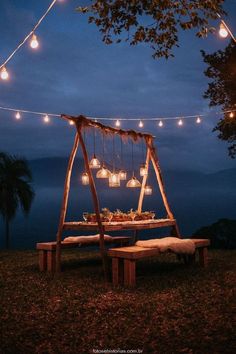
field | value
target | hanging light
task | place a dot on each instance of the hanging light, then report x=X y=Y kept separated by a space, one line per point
x=123 y=175
x=198 y=120
x=114 y=180
x=103 y=173
x=4 y=73
x=34 y=42
x=94 y=162
x=71 y=122
x=143 y=170
x=160 y=123
x=133 y=183
x=231 y=115
x=140 y=124
x=46 y=119
x=85 y=178
x=117 y=123
x=18 y=116
x=148 y=190
x=180 y=122
x=223 y=31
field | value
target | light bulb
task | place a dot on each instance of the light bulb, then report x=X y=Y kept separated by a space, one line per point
x=34 y=42
x=143 y=170
x=198 y=120
x=46 y=119
x=180 y=122
x=4 y=73
x=85 y=179
x=148 y=190
x=231 y=115
x=18 y=116
x=94 y=162
x=140 y=124
x=117 y=124
x=71 y=122
x=103 y=173
x=223 y=31
x=133 y=183
x=123 y=175
x=114 y=180
x=160 y=123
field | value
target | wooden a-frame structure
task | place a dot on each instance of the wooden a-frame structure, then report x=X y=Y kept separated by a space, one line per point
x=81 y=123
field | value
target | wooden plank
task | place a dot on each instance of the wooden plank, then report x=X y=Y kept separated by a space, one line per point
x=129 y=272
x=133 y=252
x=144 y=181
x=116 y=226
x=65 y=202
x=201 y=242
x=42 y=260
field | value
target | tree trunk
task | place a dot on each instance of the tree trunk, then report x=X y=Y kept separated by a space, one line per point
x=7 y=225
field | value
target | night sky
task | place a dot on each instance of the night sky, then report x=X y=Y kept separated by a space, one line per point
x=74 y=72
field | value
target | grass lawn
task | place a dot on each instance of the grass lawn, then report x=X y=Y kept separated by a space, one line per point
x=174 y=309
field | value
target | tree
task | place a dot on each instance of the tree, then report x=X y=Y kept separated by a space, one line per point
x=156 y=22
x=15 y=189
x=222 y=91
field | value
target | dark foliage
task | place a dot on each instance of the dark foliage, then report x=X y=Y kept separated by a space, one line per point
x=15 y=188
x=222 y=233
x=154 y=22
x=222 y=91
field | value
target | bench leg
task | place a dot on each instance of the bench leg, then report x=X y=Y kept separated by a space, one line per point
x=51 y=261
x=203 y=256
x=42 y=260
x=117 y=271
x=129 y=272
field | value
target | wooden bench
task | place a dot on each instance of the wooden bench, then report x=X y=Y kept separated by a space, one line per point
x=47 y=250
x=124 y=260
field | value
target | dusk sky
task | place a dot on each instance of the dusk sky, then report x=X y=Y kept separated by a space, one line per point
x=74 y=72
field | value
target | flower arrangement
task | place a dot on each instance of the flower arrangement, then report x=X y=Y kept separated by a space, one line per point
x=118 y=215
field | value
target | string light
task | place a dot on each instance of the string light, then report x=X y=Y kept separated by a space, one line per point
x=4 y=73
x=140 y=124
x=71 y=122
x=198 y=120
x=180 y=122
x=160 y=124
x=46 y=119
x=117 y=123
x=223 y=31
x=231 y=115
x=18 y=116
x=34 y=42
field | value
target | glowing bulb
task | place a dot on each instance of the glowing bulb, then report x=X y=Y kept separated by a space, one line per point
x=4 y=73
x=160 y=123
x=71 y=122
x=223 y=31
x=117 y=124
x=94 y=162
x=133 y=183
x=198 y=120
x=148 y=190
x=231 y=115
x=140 y=124
x=103 y=173
x=114 y=180
x=46 y=119
x=85 y=179
x=143 y=170
x=123 y=175
x=18 y=116
x=180 y=122
x=34 y=42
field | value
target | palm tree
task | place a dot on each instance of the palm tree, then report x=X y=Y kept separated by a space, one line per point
x=15 y=189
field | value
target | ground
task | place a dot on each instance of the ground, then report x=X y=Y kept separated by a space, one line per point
x=174 y=309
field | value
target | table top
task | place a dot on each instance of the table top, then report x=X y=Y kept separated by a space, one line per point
x=119 y=225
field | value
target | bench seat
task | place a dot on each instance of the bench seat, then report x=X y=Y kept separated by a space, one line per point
x=124 y=260
x=47 y=250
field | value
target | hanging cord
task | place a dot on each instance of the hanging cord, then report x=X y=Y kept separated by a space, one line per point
x=94 y=143
x=132 y=154
x=103 y=149
x=113 y=147
x=121 y=153
x=84 y=137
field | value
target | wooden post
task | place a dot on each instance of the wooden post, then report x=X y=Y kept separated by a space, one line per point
x=65 y=202
x=157 y=170
x=95 y=199
x=144 y=181
x=130 y=272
